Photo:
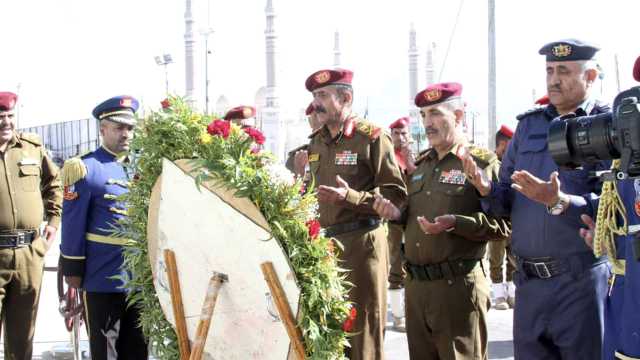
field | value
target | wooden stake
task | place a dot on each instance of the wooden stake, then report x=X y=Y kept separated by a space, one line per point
x=176 y=303
x=284 y=310
x=205 y=317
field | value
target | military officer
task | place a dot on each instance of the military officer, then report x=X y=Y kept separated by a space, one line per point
x=560 y=285
x=350 y=160
x=446 y=232
x=297 y=159
x=91 y=251
x=30 y=191
x=500 y=251
x=401 y=138
x=242 y=115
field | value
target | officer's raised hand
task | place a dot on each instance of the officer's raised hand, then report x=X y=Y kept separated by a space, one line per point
x=588 y=234
x=536 y=189
x=385 y=208
x=333 y=195
x=474 y=174
x=439 y=224
x=300 y=161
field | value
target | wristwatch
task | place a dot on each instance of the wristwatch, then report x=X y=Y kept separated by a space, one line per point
x=560 y=206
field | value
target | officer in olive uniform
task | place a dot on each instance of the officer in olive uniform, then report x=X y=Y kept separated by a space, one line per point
x=297 y=159
x=30 y=191
x=350 y=160
x=446 y=233
x=91 y=252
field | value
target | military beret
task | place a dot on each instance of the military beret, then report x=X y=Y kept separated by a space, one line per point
x=568 y=50
x=506 y=131
x=543 y=100
x=120 y=109
x=400 y=123
x=437 y=93
x=310 y=110
x=324 y=78
x=241 y=112
x=7 y=100
x=636 y=69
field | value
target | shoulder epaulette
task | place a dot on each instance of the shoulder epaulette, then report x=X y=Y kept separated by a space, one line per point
x=368 y=129
x=482 y=156
x=73 y=170
x=422 y=155
x=301 y=147
x=531 y=112
x=315 y=132
x=32 y=138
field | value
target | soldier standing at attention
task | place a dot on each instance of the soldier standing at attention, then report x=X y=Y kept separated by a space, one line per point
x=350 y=160
x=91 y=254
x=446 y=234
x=30 y=191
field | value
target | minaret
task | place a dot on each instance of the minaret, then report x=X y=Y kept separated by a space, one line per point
x=189 y=46
x=415 y=124
x=269 y=116
x=336 y=50
x=431 y=69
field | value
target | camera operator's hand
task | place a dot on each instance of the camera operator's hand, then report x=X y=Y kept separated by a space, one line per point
x=536 y=189
x=474 y=174
x=588 y=234
x=409 y=158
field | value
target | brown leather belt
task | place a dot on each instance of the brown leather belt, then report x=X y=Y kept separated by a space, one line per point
x=15 y=239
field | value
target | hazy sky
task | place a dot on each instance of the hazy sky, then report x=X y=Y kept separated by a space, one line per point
x=68 y=55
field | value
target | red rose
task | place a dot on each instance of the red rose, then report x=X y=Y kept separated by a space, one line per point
x=347 y=326
x=219 y=128
x=165 y=103
x=314 y=228
x=255 y=134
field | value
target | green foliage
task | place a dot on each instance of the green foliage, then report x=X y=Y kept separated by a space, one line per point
x=178 y=133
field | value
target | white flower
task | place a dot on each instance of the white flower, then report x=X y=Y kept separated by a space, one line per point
x=279 y=175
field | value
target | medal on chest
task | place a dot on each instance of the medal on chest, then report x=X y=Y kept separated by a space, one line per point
x=346 y=158
x=636 y=202
x=453 y=176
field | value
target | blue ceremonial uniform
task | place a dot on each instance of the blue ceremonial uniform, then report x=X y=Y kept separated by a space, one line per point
x=560 y=285
x=91 y=210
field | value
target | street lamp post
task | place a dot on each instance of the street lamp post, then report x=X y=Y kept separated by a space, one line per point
x=205 y=33
x=165 y=60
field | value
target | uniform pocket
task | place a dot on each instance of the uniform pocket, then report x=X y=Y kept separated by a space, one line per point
x=29 y=177
x=39 y=246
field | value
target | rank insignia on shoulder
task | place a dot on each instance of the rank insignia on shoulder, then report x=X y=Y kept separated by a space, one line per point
x=453 y=176
x=314 y=157
x=416 y=177
x=347 y=158
x=70 y=193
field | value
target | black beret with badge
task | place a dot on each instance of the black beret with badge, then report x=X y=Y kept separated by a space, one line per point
x=569 y=50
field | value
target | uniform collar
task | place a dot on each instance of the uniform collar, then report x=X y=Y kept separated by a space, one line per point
x=433 y=154
x=348 y=129
x=121 y=157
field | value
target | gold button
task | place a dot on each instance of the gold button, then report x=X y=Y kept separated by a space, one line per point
x=417 y=244
x=437 y=169
x=428 y=192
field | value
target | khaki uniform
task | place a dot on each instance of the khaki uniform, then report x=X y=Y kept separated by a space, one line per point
x=363 y=157
x=30 y=191
x=395 y=236
x=446 y=292
x=498 y=250
x=291 y=156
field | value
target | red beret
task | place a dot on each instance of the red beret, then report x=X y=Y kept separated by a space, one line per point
x=7 y=100
x=310 y=110
x=402 y=122
x=636 y=69
x=240 y=113
x=543 y=100
x=506 y=131
x=324 y=78
x=437 y=93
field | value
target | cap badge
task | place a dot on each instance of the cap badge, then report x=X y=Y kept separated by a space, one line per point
x=125 y=102
x=433 y=95
x=247 y=112
x=322 y=77
x=561 y=50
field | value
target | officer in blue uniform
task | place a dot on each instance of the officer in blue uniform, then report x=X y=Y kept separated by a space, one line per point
x=560 y=284
x=91 y=251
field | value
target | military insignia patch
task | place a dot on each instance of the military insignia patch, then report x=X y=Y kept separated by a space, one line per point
x=28 y=161
x=561 y=50
x=636 y=203
x=433 y=95
x=247 y=112
x=126 y=102
x=453 y=176
x=416 y=177
x=70 y=193
x=314 y=157
x=346 y=158
x=322 y=77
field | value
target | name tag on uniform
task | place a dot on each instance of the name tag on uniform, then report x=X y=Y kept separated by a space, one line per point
x=28 y=161
x=453 y=176
x=314 y=157
x=346 y=158
x=416 y=177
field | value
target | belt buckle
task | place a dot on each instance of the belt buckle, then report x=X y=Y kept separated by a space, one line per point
x=542 y=270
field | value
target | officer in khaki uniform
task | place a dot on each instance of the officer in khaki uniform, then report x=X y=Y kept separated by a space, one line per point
x=30 y=191
x=446 y=291
x=297 y=160
x=350 y=159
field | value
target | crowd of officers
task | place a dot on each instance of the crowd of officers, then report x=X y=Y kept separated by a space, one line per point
x=441 y=208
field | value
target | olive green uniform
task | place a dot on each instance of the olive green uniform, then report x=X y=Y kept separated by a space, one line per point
x=363 y=157
x=30 y=191
x=291 y=156
x=499 y=253
x=446 y=292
